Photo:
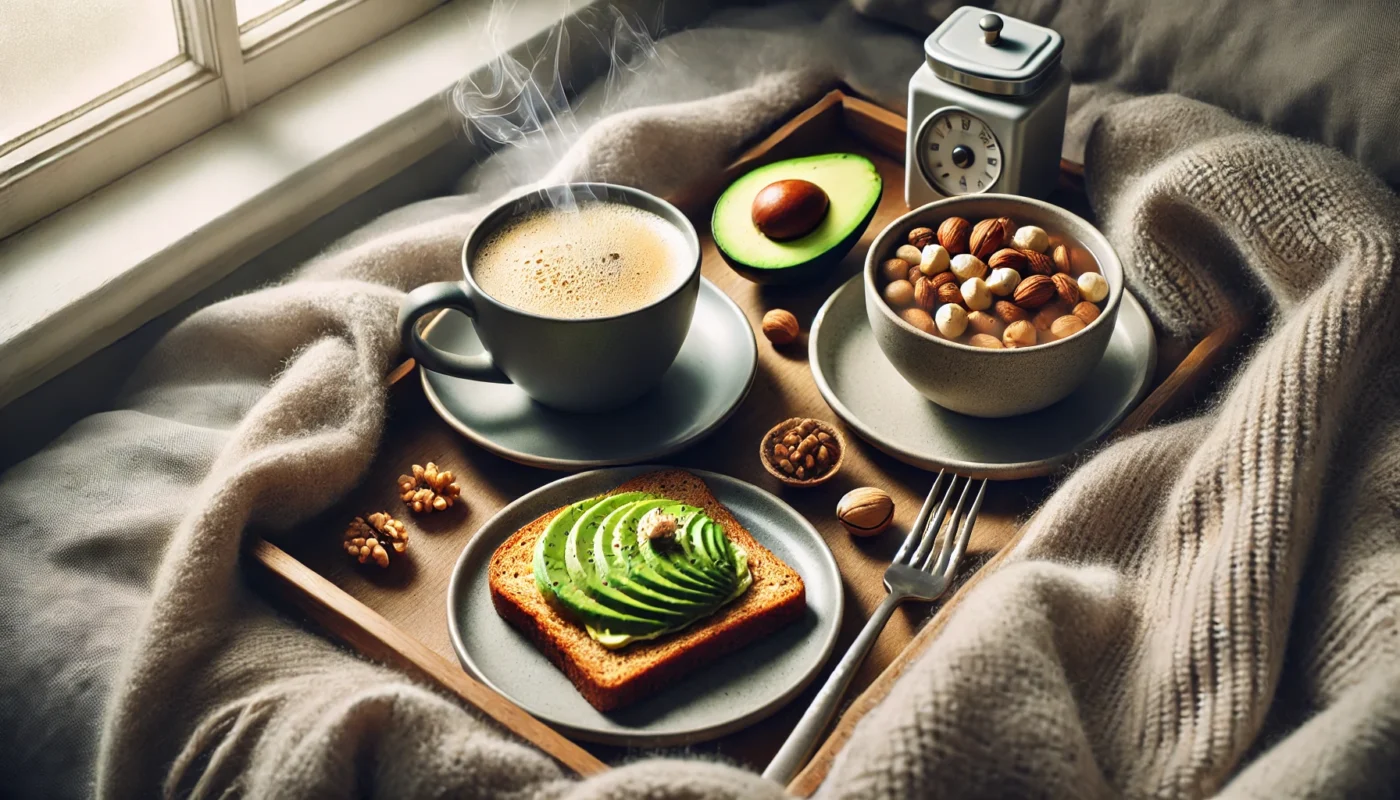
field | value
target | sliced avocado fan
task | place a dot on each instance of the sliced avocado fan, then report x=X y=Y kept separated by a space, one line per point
x=852 y=185
x=595 y=565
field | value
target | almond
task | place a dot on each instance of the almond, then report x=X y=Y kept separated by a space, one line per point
x=1034 y=292
x=950 y=293
x=1009 y=312
x=1067 y=288
x=1039 y=263
x=1009 y=258
x=925 y=294
x=982 y=322
x=1008 y=230
x=1060 y=255
x=1046 y=315
x=987 y=238
x=921 y=237
x=1019 y=334
x=1066 y=326
x=942 y=278
x=1087 y=312
x=953 y=235
x=986 y=341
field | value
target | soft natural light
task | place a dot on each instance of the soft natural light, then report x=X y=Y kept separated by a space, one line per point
x=252 y=9
x=56 y=55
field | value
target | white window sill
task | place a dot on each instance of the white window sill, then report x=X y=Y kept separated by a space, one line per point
x=81 y=278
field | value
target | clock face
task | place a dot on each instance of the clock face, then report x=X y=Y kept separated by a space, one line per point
x=958 y=152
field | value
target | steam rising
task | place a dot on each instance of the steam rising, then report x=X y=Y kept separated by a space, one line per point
x=522 y=98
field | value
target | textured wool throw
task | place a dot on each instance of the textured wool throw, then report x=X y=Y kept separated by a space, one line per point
x=1208 y=607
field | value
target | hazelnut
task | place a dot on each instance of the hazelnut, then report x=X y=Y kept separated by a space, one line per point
x=1066 y=326
x=1066 y=288
x=865 y=511
x=985 y=341
x=950 y=293
x=1029 y=237
x=934 y=259
x=894 y=269
x=1033 y=292
x=1047 y=315
x=986 y=238
x=1060 y=255
x=920 y=319
x=982 y=322
x=976 y=295
x=789 y=209
x=780 y=326
x=1039 y=263
x=911 y=254
x=953 y=234
x=899 y=293
x=1008 y=312
x=925 y=294
x=1019 y=334
x=1093 y=286
x=1003 y=281
x=967 y=266
x=1086 y=311
x=951 y=320
x=922 y=237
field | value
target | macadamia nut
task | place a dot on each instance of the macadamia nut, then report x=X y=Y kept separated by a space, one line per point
x=1029 y=237
x=1003 y=281
x=967 y=266
x=1093 y=286
x=976 y=294
x=951 y=320
x=935 y=259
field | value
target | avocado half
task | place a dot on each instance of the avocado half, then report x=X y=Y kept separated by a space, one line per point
x=852 y=185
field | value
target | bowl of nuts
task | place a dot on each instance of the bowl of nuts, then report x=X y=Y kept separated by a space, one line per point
x=802 y=452
x=992 y=305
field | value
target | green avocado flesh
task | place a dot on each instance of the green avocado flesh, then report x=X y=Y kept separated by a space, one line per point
x=852 y=186
x=593 y=565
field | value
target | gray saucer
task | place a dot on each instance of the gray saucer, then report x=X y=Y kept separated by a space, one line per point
x=735 y=691
x=864 y=389
x=704 y=386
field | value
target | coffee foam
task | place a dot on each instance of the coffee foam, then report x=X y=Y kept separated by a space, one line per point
x=599 y=260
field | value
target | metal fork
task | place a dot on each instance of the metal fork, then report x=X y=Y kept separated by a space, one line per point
x=918 y=572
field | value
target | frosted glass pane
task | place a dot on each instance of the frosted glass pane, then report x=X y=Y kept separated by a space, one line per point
x=250 y=9
x=56 y=55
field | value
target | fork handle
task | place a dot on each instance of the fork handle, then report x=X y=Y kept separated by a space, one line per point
x=805 y=737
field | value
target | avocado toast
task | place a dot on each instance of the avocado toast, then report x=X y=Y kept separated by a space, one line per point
x=684 y=613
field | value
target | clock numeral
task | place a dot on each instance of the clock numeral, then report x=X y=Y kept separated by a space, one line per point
x=934 y=148
x=963 y=182
x=991 y=162
x=979 y=184
x=966 y=123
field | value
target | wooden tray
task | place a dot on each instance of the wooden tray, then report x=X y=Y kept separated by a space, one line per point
x=398 y=616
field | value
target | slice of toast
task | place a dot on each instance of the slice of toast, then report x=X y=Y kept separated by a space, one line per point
x=610 y=679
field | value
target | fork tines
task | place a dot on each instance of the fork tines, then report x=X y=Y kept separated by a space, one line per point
x=918 y=548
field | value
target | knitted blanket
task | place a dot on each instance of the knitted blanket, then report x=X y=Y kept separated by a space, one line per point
x=1208 y=607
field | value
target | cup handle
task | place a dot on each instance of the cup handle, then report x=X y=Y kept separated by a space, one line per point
x=425 y=300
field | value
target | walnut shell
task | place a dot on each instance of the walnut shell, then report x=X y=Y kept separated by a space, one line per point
x=922 y=237
x=987 y=237
x=925 y=294
x=953 y=235
x=780 y=326
x=1034 y=292
x=865 y=511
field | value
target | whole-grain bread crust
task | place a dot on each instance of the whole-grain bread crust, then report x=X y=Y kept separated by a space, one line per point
x=610 y=679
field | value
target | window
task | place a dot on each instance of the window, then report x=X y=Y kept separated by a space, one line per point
x=92 y=89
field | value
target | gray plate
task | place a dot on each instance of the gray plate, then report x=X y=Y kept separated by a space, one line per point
x=725 y=696
x=864 y=389
x=704 y=386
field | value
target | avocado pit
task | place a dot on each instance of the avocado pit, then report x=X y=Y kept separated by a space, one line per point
x=789 y=209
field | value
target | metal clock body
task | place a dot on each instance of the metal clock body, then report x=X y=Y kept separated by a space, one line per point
x=986 y=109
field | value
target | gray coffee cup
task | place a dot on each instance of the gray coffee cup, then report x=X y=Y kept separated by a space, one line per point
x=588 y=364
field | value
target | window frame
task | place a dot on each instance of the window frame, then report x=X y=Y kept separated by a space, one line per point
x=219 y=75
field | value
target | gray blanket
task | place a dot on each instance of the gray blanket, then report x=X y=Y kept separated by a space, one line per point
x=1207 y=607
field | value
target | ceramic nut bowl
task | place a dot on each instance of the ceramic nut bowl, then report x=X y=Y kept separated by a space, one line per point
x=988 y=382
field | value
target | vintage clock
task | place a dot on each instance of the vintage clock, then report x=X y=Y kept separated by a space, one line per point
x=986 y=110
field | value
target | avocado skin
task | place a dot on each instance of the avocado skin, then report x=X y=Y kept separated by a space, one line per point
x=808 y=271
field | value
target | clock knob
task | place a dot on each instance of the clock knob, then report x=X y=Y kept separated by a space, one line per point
x=962 y=156
x=991 y=28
